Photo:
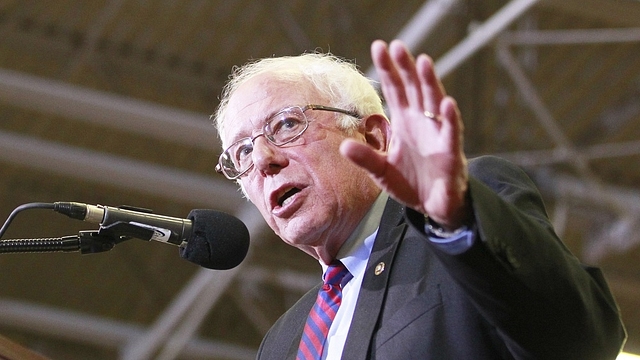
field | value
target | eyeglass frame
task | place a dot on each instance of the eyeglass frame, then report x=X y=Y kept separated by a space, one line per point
x=221 y=169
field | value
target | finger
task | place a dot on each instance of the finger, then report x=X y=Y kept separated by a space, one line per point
x=406 y=66
x=432 y=88
x=452 y=126
x=390 y=81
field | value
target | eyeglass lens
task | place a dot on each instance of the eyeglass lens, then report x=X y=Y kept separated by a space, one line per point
x=282 y=128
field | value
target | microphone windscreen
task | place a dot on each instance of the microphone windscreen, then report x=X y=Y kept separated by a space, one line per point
x=218 y=240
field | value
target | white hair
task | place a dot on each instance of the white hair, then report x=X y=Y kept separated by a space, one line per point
x=334 y=78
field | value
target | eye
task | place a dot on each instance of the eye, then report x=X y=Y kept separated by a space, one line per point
x=285 y=125
x=242 y=153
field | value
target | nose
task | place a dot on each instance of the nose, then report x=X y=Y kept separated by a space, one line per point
x=267 y=158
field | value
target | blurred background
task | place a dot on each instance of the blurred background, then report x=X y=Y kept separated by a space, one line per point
x=108 y=102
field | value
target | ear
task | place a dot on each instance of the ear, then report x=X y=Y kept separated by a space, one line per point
x=377 y=132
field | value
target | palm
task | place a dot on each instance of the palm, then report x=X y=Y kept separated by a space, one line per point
x=424 y=167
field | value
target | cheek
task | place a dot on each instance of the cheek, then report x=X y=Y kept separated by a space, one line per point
x=341 y=180
x=253 y=192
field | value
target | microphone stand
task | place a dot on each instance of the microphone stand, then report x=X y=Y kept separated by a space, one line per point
x=87 y=242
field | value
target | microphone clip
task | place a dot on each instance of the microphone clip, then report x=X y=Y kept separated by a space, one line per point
x=91 y=242
x=121 y=231
x=110 y=235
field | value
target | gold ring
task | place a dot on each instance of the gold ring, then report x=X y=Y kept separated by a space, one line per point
x=431 y=115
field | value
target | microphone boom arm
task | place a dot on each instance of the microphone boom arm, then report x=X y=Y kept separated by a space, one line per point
x=87 y=242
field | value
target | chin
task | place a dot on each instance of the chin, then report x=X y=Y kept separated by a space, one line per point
x=299 y=240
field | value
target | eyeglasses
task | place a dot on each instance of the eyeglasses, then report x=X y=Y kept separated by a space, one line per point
x=280 y=129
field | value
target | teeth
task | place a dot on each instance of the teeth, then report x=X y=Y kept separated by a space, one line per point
x=287 y=200
x=287 y=196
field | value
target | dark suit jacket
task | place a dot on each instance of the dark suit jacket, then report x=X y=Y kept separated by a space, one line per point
x=517 y=293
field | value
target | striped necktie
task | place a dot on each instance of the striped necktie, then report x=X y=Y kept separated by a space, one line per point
x=322 y=313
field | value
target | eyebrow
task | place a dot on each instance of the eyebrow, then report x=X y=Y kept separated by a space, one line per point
x=273 y=113
x=264 y=120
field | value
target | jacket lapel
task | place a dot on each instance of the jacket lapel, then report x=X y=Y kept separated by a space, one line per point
x=374 y=284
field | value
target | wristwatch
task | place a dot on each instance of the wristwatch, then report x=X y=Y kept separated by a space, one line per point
x=437 y=230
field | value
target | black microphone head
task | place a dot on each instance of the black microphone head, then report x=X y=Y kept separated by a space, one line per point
x=218 y=240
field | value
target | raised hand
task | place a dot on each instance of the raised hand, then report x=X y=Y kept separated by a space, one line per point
x=425 y=166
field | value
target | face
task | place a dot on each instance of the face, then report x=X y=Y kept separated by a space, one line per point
x=310 y=195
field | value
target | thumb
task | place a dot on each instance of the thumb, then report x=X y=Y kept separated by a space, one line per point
x=364 y=156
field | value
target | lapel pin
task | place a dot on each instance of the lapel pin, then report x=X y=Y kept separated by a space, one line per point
x=379 y=268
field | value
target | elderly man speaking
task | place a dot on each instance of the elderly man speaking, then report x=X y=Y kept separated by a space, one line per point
x=425 y=254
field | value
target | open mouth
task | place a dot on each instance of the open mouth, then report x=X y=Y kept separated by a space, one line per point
x=285 y=198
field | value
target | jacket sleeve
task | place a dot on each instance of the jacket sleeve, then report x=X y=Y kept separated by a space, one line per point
x=521 y=277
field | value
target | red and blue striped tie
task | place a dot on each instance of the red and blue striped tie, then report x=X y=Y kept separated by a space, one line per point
x=322 y=313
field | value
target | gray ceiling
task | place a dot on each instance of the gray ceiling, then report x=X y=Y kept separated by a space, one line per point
x=107 y=102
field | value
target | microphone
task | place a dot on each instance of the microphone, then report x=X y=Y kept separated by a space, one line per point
x=211 y=239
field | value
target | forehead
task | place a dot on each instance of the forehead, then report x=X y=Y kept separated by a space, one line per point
x=258 y=98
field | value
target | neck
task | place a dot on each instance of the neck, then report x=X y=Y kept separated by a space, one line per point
x=365 y=227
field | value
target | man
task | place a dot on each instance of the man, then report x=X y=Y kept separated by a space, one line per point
x=461 y=262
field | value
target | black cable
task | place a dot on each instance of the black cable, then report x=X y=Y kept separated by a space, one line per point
x=86 y=242
x=21 y=208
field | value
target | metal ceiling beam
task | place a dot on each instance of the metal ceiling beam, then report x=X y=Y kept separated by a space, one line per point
x=566 y=152
x=107 y=109
x=426 y=19
x=110 y=170
x=554 y=156
x=543 y=114
x=615 y=12
x=162 y=331
x=621 y=204
x=102 y=332
x=570 y=37
x=616 y=198
x=432 y=12
x=620 y=233
x=482 y=35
